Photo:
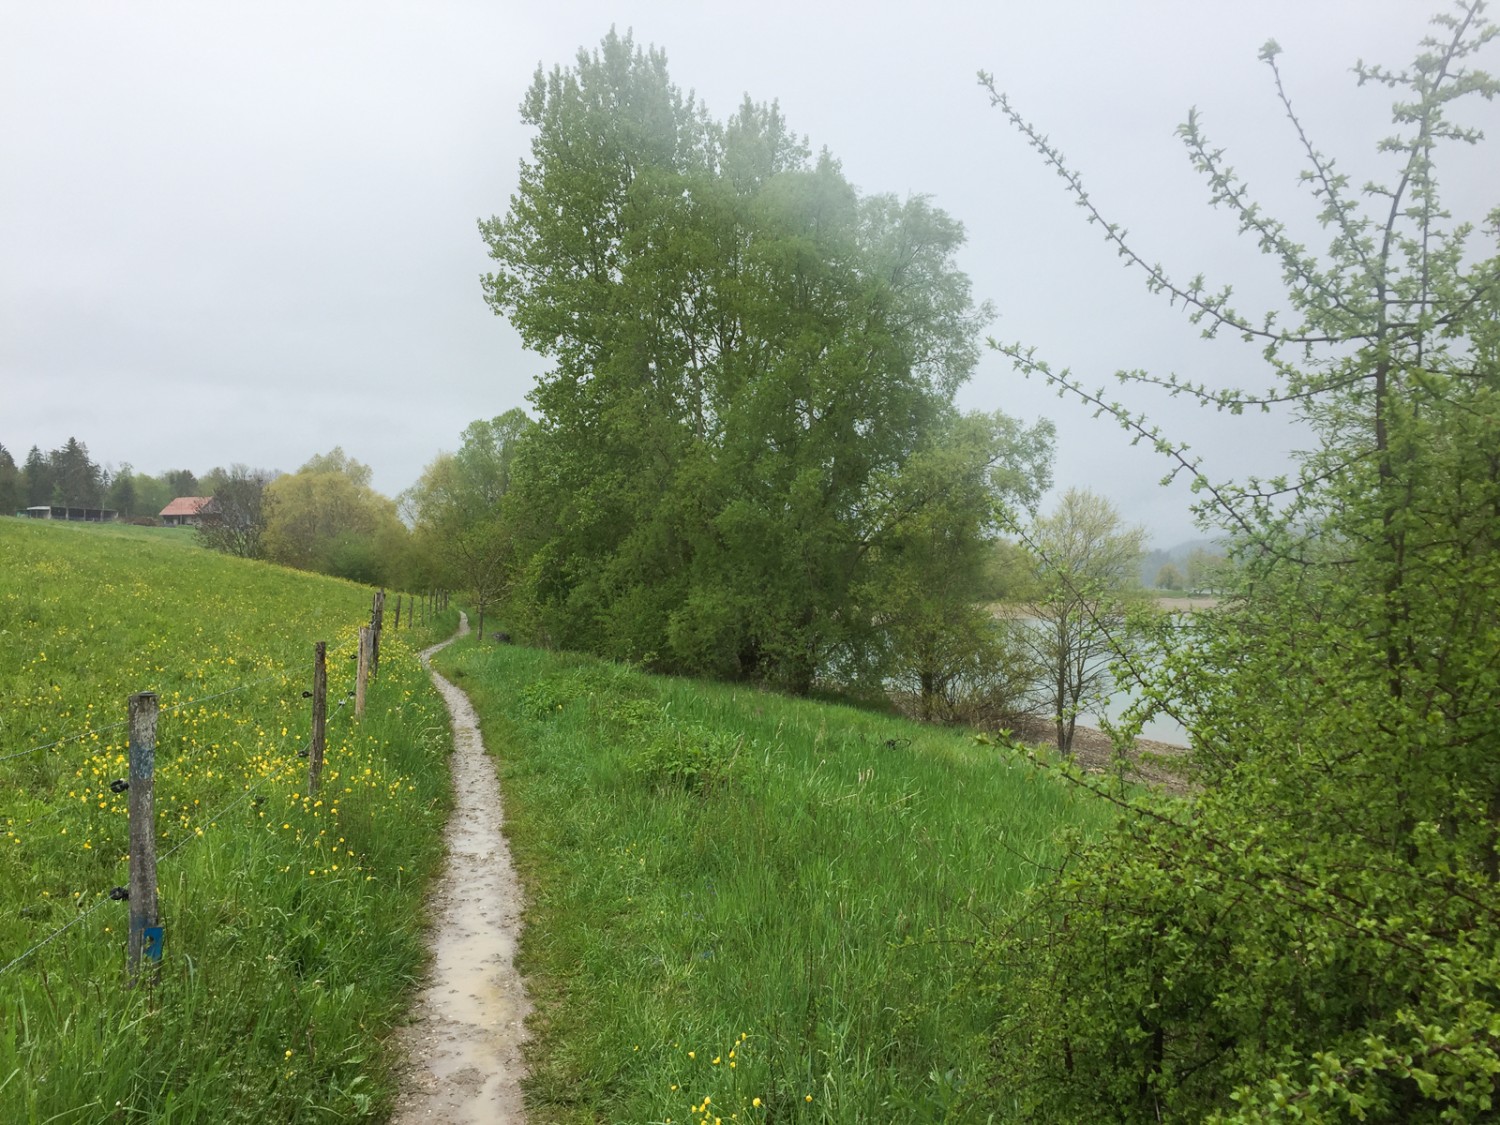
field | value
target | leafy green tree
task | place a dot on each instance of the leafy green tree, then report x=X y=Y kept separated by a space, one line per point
x=459 y=512
x=180 y=482
x=1312 y=936
x=1085 y=564
x=152 y=493
x=1169 y=578
x=948 y=504
x=745 y=354
x=1204 y=569
x=326 y=517
x=122 y=495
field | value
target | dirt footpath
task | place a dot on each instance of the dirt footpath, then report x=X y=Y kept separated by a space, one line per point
x=463 y=1046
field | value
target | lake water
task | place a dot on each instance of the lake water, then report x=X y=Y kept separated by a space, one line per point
x=1161 y=728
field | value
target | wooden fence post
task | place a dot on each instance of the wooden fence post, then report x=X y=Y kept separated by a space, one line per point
x=319 y=716
x=145 y=935
x=397 y=623
x=364 y=670
x=377 y=620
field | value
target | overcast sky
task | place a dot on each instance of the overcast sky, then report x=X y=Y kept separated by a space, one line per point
x=246 y=232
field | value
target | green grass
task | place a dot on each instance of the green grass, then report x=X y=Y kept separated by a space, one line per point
x=736 y=896
x=293 y=922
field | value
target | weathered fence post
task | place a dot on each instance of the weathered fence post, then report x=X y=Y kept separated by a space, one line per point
x=363 y=675
x=377 y=619
x=397 y=623
x=145 y=935
x=319 y=716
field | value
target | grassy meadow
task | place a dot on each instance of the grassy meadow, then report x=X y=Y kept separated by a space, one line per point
x=745 y=907
x=292 y=922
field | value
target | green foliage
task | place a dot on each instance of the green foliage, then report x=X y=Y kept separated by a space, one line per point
x=76 y=480
x=464 y=521
x=747 y=356
x=810 y=908
x=691 y=757
x=293 y=922
x=946 y=649
x=1084 y=564
x=1312 y=936
x=326 y=517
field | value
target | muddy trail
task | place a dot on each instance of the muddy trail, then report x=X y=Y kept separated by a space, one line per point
x=463 y=1046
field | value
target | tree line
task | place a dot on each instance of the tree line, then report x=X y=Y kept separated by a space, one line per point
x=325 y=517
x=68 y=476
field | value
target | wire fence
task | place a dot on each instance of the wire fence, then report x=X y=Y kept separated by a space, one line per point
x=85 y=733
x=145 y=833
x=203 y=823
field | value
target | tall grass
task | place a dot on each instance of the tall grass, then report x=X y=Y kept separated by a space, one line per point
x=746 y=907
x=292 y=921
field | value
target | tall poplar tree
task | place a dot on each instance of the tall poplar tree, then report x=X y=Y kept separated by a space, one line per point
x=745 y=351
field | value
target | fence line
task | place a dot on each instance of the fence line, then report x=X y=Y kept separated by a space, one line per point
x=198 y=830
x=197 y=834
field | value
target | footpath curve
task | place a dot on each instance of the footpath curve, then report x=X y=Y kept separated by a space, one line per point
x=463 y=1046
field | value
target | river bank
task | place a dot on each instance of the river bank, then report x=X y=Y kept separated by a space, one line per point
x=1161 y=765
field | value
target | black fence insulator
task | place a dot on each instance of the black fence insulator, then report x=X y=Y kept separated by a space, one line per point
x=307 y=695
x=303 y=753
x=119 y=785
x=120 y=894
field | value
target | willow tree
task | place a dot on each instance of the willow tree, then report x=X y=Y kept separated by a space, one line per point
x=1312 y=936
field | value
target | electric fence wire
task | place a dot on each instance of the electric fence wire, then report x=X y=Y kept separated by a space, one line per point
x=53 y=936
x=196 y=835
x=32 y=823
x=116 y=726
x=199 y=832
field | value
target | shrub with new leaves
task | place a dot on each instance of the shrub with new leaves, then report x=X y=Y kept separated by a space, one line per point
x=1312 y=937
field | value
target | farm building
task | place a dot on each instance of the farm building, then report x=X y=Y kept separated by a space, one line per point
x=66 y=512
x=185 y=511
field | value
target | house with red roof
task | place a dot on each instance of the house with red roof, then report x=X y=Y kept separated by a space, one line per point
x=185 y=511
